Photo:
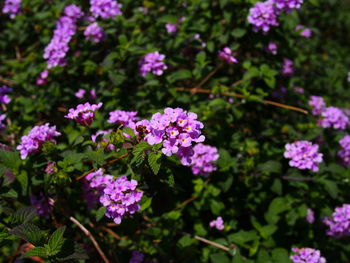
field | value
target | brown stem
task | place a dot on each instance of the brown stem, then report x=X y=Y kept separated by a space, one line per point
x=113 y=234
x=208 y=77
x=6 y=81
x=277 y=104
x=90 y=236
x=204 y=240
x=301 y=179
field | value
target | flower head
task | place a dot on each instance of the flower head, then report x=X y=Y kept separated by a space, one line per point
x=287 y=67
x=226 y=55
x=339 y=223
x=126 y=118
x=152 y=63
x=12 y=7
x=43 y=204
x=32 y=142
x=317 y=104
x=344 y=153
x=203 y=159
x=4 y=97
x=307 y=255
x=105 y=8
x=303 y=155
x=94 y=32
x=84 y=113
x=332 y=117
x=272 y=48
x=218 y=223
x=288 y=5
x=263 y=16
x=310 y=216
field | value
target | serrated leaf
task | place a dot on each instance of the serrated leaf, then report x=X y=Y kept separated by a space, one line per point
x=36 y=252
x=71 y=251
x=8 y=192
x=100 y=213
x=154 y=162
x=138 y=151
x=23 y=215
x=30 y=233
x=56 y=241
x=9 y=159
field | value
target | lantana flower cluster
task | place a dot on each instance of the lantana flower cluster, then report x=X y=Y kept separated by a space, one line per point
x=310 y=216
x=226 y=55
x=105 y=8
x=12 y=7
x=4 y=97
x=43 y=204
x=119 y=196
x=304 y=31
x=339 y=223
x=287 y=67
x=344 y=153
x=176 y=129
x=94 y=32
x=218 y=223
x=203 y=160
x=264 y=15
x=84 y=113
x=125 y=118
x=32 y=142
x=330 y=117
x=307 y=255
x=303 y=155
x=56 y=50
x=152 y=63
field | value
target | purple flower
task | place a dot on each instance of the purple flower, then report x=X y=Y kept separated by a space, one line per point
x=304 y=31
x=339 y=223
x=307 y=255
x=105 y=8
x=172 y=28
x=333 y=117
x=287 y=67
x=176 y=129
x=317 y=104
x=137 y=257
x=2 y=118
x=288 y=5
x=126 y=118
x=51 y=167
x=310 y=216
x=84 y=113
x=218 y=223
x=119 y=196
x=303 y=155
x=4 y=98
x=226 y=55
x=94 y=33
x=42 y=79
x=203 y=159
x=348 y=79
x=272 y=48
x=43 y=204
x=32 y=142
x=12 y=7
x=344 y=153
x=80 y=93
x=56 y=50
x=263 y=16
x=153 y=63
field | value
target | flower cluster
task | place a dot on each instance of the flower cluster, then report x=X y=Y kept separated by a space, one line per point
x=176 y=129
x=303 y=155
x=339 y=223
x=171 y=28
x=42 y=79
x=304 y=31
x=12 y=7
x=94 y=33
x=287 y=67
x=125 y=118
x=119 y=196
x=105 y=8
x=56 y=50
x=287 y=5
x=218 y=223
x=307 y=255
x=263 y=16
x=203 y=159
x=333 y=117
x=153 y=63
x=36 y=137
x=272 y=48
x=310 y=216
x=80 y=94
x=84 y=113
x=226 y=55
x=4 y=97
x=43 y=204
x=344 y=153
x=138 y=257
x=317 y=104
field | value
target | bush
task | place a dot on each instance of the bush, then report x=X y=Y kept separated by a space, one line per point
x=100 y=183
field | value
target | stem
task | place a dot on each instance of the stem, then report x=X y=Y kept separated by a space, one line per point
x=205 y=80
x=277 y=104
x=6 y=81
x=301 y=179
x=90 y=236
x=215 y=244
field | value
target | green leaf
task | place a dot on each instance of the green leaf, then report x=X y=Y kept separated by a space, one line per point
x=138 y=151
x=330 y=186
x=270 y=167
x=154 y=162
x=30 y=233
x=23 y=215
x=100 y=213
x=37 y=252
x=145 y=202
x=56 y=241
x=219 y=258
x=8 y=192
x=11 y=160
